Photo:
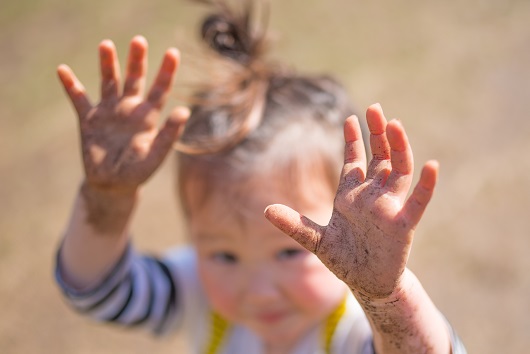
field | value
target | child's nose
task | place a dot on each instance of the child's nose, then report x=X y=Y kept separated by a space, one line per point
x=262 y=286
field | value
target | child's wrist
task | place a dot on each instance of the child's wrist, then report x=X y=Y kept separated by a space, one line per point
x=403 y=287
x=108 y=210
x=110 y=193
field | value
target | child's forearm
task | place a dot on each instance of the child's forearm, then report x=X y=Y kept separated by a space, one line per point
x=96 y=235
x=407 y=321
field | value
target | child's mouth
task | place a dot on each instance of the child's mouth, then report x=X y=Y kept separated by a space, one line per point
x=271 y=317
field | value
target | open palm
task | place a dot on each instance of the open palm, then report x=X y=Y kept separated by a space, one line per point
x=369 y=236
x=121 y=143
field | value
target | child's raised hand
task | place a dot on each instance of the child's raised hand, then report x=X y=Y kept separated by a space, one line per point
x=369 y=236
x=120 y=141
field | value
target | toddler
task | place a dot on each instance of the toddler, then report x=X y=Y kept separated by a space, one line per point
x=257 y=135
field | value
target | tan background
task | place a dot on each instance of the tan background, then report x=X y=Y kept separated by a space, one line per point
x=456 y=72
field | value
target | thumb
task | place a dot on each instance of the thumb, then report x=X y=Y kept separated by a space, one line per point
x=301 y=229
x=167 y=135
x=175 y=122
x=171 y=130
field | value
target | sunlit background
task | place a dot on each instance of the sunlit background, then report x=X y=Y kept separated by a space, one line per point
x=457 y=73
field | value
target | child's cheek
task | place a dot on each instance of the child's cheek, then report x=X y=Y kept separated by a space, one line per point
x=309 y=283
x=220 y=288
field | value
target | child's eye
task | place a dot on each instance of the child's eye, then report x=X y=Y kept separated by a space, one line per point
x=289 y=253
x=224 y=257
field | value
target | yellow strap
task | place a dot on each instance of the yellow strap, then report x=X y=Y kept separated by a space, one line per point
x=331 y=325
x=219 y=326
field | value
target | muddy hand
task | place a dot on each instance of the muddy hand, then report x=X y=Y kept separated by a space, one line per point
x=368 y=239
x=121 y=143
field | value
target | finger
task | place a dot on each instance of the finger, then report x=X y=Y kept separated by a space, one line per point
x=354 y=153
x=301 y=229
x=401 y=159
x=110 y=70
x=136 y=67
x=168 y=134
x=420 y=197
x=75 y=90
x=379 y=166
x=162 y=85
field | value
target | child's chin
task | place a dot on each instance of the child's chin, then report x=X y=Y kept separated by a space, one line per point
x=279 y=333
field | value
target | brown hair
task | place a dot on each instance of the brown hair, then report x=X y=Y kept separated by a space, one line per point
x=255 y=115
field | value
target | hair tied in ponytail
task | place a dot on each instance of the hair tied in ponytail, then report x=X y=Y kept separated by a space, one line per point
x=223 y=37
x=229 y=30
x=229 y=105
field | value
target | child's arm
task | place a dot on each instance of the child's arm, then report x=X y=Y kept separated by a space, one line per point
x=368 y=239
x=121 y=147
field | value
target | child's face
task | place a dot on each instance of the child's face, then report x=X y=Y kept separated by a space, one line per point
x=255 y=275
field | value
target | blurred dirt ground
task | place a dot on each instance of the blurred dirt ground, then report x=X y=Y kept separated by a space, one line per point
x=456 y=72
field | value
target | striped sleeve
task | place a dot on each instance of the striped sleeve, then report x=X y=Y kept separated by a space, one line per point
x=139 y=291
